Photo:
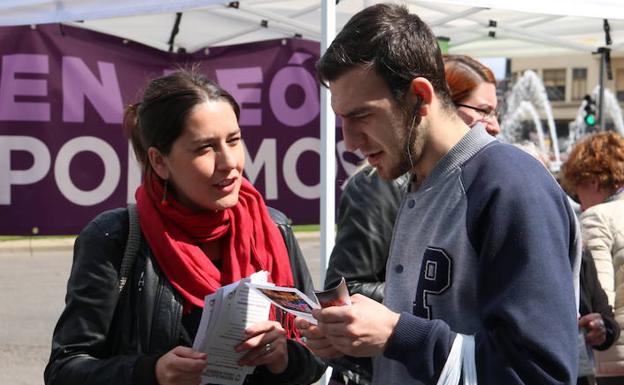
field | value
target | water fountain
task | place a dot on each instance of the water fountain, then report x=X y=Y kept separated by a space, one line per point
x=612 y=112
x=529 y=90
x=513 y=124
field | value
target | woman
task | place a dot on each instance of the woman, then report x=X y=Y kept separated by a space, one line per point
x=369 y=205
x=473 y=91
x=203 y=226
x=597 y=319
x=594 y=172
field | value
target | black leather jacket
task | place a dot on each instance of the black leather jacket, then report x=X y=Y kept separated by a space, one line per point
x=594 y=300
x=368 y=209
x=366 y=214
x=103 y=337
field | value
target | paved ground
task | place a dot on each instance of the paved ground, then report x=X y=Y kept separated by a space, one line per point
x=33 y=275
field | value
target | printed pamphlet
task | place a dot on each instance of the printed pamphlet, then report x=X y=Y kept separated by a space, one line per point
x=232 y=308
x=297 y=303
x=227 y=313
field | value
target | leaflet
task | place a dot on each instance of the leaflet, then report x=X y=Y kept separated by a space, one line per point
x=297 y=303
x=231 y=309
x=227 y=313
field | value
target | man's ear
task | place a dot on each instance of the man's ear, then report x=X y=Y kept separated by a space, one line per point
x=421 y=94
x=158 y=162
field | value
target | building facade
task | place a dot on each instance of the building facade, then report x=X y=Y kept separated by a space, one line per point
x=569 y=78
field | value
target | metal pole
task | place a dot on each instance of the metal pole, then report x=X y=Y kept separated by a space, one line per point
x=328 y=152
x=601 y=89
x=328 y=145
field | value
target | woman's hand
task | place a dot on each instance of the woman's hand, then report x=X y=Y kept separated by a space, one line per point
x=266 y=345
x=180 y=366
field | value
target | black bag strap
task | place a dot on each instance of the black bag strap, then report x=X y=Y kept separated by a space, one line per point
x=132 y=246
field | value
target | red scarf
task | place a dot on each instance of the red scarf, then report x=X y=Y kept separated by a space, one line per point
x=253 y=242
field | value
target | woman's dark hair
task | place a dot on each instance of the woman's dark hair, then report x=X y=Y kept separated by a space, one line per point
x=464 y=74
x=159 y=119
x=398 y=45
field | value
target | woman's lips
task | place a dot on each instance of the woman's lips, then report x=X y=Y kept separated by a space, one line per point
x=226 y=185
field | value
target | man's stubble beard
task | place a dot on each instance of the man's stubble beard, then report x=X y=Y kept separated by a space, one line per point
x=412 y=145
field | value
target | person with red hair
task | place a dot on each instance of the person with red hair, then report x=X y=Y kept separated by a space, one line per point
x=473 y=91
x=594 y=173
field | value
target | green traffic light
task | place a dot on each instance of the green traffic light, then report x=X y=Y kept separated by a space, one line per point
x=590 y=119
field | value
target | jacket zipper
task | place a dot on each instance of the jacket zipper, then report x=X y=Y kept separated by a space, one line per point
x=137 y=318
x=141 y=281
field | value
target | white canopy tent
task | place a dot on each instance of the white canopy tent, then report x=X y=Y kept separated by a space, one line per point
x=480 y=27
x=483 y=28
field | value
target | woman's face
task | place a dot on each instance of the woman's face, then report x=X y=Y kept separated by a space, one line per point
x=480 y=106
x=205 y=164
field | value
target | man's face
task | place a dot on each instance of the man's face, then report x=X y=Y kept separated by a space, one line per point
x=373 y=122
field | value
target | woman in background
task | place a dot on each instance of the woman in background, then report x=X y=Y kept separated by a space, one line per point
x=594 y=172
x=473 y=91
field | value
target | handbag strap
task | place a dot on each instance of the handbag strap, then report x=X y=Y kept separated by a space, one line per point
x=132 y=246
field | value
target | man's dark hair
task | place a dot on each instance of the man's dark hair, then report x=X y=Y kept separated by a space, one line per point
x=398 y=45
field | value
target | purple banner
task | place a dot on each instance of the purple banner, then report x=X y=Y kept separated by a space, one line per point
x=64 y=158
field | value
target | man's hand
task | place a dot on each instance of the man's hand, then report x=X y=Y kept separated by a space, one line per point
x=596 y=330
x=316 y=340
x=359 y=330
x=180 y=366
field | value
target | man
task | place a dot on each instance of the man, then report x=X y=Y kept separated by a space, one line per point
x=369 y=206
x=485 y=243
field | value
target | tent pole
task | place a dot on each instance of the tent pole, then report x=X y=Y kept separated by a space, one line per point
x=286 y=20
x=602 y=52
x=454 y=16
x=328 y=146
x=605 y=65
x=174 y=30
x=220 y=40
x=328 y=153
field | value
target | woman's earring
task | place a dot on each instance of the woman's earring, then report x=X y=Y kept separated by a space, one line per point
x=164 y=202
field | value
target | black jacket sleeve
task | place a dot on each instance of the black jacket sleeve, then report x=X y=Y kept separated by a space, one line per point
x=594 y=300
x=80 y=344
x=366 y=214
